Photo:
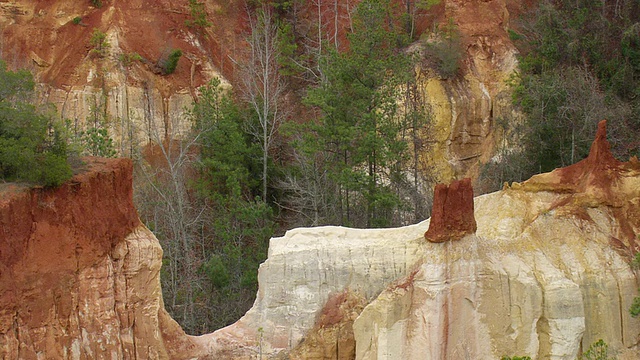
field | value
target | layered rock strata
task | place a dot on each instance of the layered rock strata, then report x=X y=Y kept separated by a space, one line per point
x=452 y=215
x=79 y=273
x=126 y=94
x=465 y=109
x=546 y=274
x=120 y=88
x=304 y=270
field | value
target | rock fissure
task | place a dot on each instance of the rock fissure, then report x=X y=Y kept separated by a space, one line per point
x=541 y=323
x=622 y=312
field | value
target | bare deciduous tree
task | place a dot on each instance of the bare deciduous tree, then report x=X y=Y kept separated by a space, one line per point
x=263 y=86
x=173 y=215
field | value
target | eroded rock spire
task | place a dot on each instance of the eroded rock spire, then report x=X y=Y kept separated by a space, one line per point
x=452 y=215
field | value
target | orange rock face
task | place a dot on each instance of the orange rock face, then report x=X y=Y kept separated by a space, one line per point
x=79 y=273
x=452 y=215
x=595 y=175
x=332 y=336
x=600 y=169
x=47 y=231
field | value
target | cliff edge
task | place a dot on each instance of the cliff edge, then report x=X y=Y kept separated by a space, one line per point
x=79 y=273
x=546 y=274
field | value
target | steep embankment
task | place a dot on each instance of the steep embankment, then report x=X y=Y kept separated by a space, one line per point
x=465 y=109
x=546 y=274
x=79 y=273
x=128 y=95
x=140 y=105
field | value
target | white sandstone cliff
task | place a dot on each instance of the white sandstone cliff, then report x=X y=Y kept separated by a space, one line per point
x=546 y=274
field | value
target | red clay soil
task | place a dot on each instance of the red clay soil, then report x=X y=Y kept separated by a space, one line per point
x=48 y=235
x=41 y=35
x=600 y=169
x=147 y=27
x=452 y=216
x=44 y=30
x=594 y=181
x=597 y=174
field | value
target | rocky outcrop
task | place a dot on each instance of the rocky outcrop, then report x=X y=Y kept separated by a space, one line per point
x=546 y=274
x=79 y=273
x=598 y=180
x=595 y=177
x=121 y=89
x=452 y=216
x=332 y=336
x=135 y=114
x=138 y=105
x=465 y=110
x=304 y=270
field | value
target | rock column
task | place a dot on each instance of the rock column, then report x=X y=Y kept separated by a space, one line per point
x=452 y=216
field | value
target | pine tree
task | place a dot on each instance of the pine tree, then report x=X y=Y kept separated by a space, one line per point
x=359 y=129
x=32 y=145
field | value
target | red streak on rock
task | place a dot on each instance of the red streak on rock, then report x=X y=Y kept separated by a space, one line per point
x=452 y=216
x=598 y=170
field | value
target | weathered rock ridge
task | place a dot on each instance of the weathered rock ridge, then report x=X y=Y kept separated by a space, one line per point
x=546 y=274
x=79 y=273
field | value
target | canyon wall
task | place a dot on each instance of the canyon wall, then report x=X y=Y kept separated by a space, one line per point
x=139 y=105
x=532 y=281
x=466 y=109
x=545 y=272
x=121 y=89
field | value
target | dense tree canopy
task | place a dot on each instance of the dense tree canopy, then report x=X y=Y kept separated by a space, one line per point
x=359 y=131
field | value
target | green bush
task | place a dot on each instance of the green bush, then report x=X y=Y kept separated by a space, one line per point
x=33 y=147
x=127 y=59
x=168 y=63
x=99 y=42
x=514 y=35
x=444 y=50
x=599 y=350
x=173 y=61
x=634 y=310
x=198 y=15
x=97 y=142
x=30 y=153
x=96 y=3
x=76 y=20
x=217 y=272
x=55 y=170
